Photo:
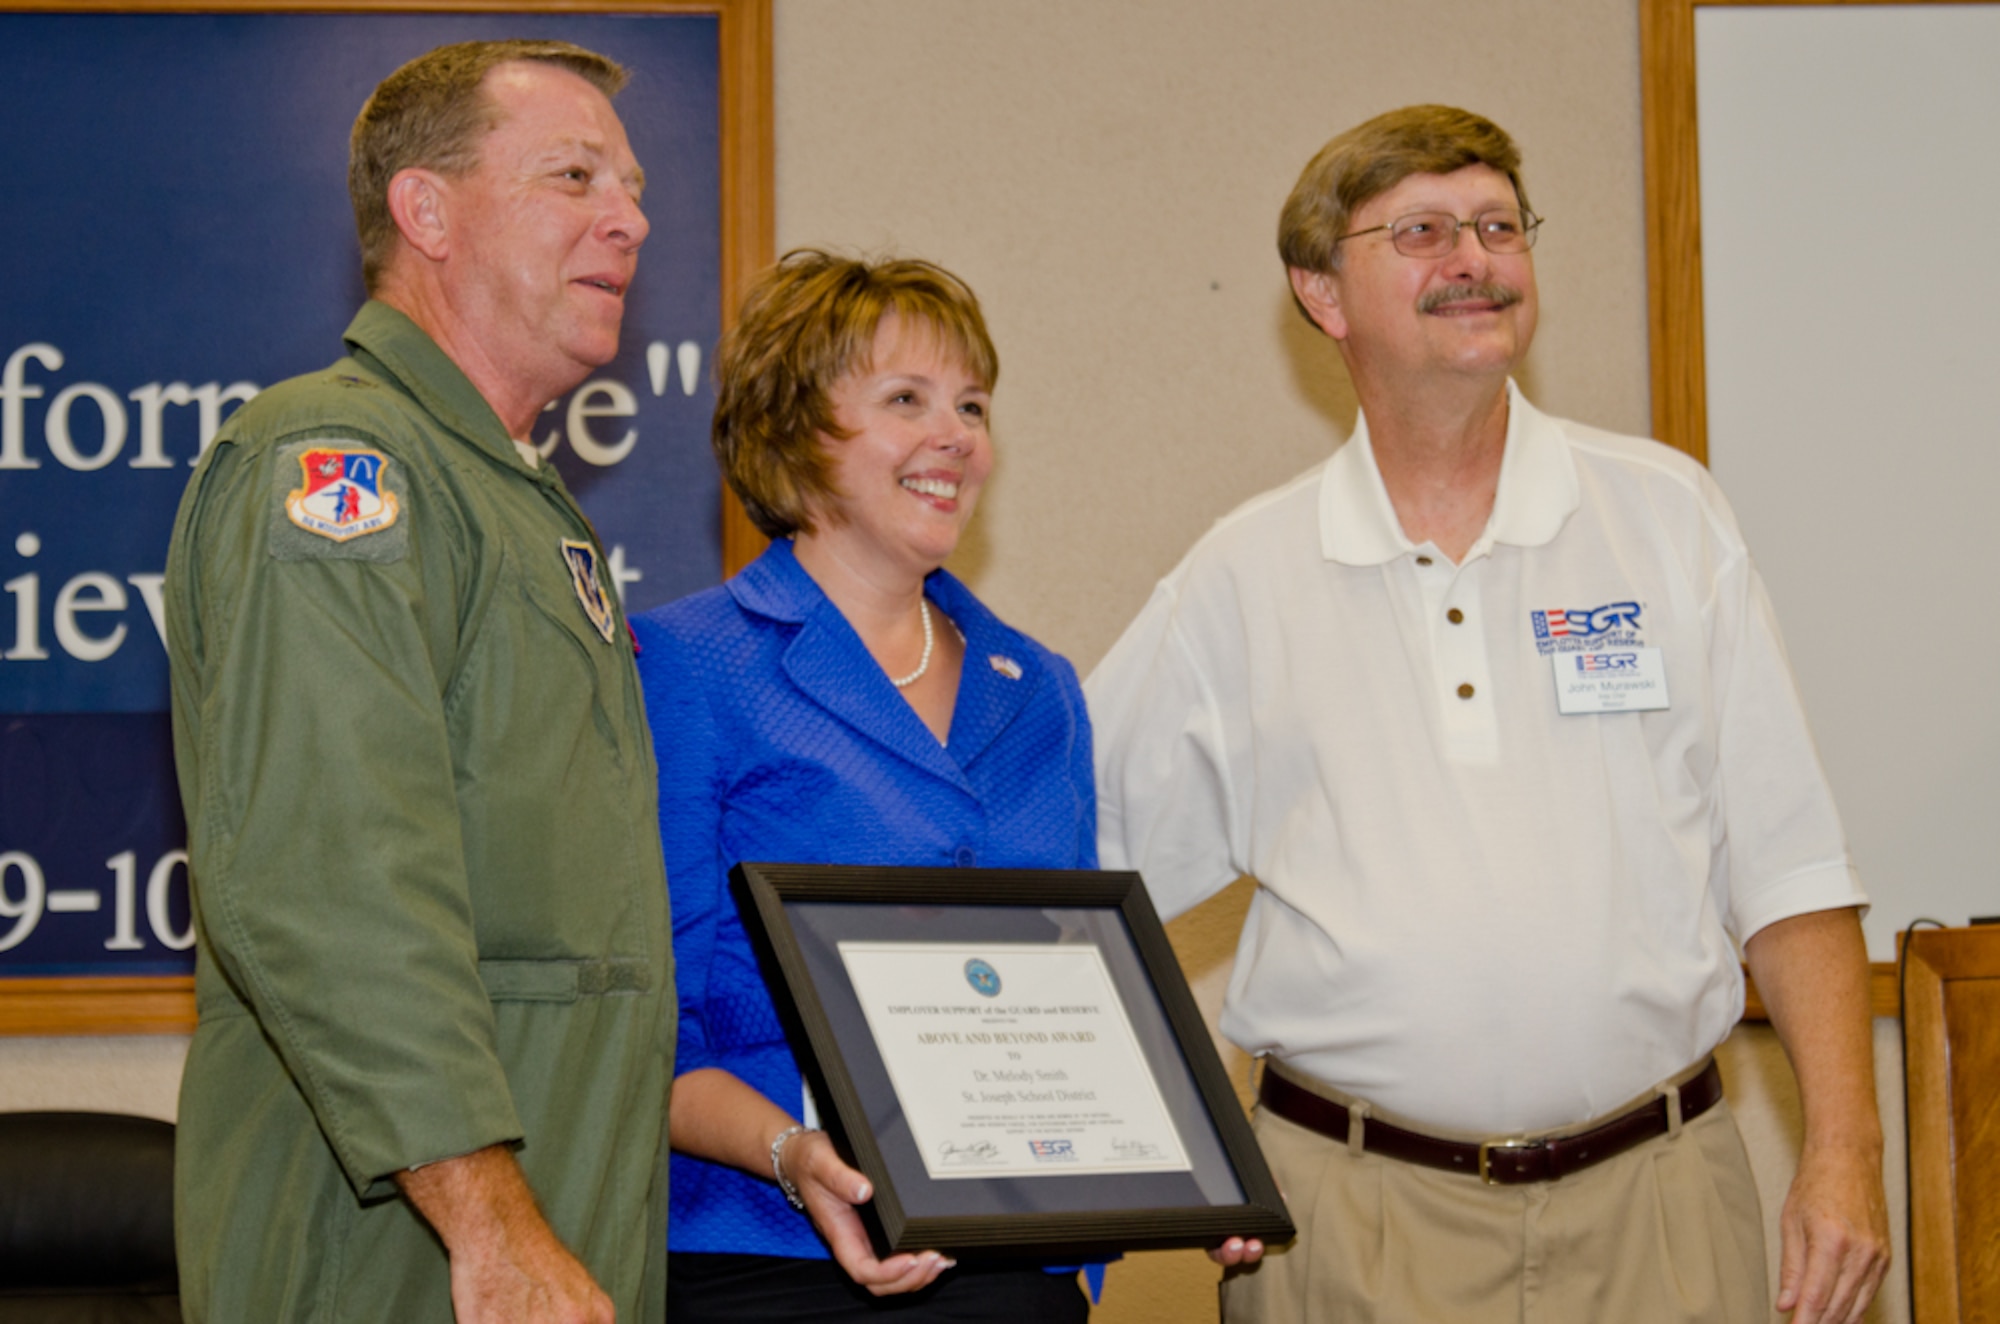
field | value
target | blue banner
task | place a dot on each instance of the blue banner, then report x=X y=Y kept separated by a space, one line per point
x=177 y=236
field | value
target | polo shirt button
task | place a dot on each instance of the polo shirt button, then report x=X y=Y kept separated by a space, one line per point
x=1423 y=560
x=965 y=859
x=1455 y=616
x=1465 y=690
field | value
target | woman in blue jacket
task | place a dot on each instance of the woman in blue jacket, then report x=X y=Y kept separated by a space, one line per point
x=843 y=700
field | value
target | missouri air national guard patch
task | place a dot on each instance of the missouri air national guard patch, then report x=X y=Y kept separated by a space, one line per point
x=342 y=497
x=337 y=498
x=582 y=559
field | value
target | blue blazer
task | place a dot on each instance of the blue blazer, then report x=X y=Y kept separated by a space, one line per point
x=780 y=738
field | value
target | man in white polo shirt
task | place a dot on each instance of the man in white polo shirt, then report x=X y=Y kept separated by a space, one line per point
x=1493 y=707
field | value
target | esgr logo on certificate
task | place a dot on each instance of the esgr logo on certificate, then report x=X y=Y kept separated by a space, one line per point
x=1053 y=1151
x=985 y=980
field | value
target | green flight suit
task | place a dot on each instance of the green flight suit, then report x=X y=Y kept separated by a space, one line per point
x=427 y=877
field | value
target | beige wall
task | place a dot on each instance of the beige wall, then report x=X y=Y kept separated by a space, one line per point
x=1107 y=174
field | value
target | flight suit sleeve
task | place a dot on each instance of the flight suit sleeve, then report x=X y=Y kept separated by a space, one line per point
x=329 y=874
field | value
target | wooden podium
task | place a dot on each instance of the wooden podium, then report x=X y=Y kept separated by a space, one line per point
x=1951 y=1062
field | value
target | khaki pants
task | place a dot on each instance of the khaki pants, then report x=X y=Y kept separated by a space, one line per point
x=1668 y=1233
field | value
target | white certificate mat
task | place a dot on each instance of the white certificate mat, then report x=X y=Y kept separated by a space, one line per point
x=1012 y=1059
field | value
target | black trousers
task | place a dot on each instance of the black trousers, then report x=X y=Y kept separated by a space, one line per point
x=746 y=1289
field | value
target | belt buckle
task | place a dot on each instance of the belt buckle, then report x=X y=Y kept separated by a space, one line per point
x=1486 y=1147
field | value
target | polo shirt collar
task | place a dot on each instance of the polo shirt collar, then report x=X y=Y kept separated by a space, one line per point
x=1537 y=492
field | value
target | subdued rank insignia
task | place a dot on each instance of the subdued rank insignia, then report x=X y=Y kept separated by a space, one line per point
x=343 y=496
x=1005 y=665
x=582 y=559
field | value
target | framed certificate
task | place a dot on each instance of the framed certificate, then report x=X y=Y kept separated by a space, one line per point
x=1011 y=1057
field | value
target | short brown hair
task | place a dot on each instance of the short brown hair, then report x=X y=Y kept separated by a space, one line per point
x=1372 y=158
x=807 y=322
x=431 y=114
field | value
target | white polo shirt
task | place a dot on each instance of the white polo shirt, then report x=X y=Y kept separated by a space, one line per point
x=1475 y=910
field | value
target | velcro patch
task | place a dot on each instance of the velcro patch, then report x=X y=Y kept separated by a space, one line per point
x=581 y=558
x=336 y=498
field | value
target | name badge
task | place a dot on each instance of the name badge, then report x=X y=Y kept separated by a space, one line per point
x=1616 y=680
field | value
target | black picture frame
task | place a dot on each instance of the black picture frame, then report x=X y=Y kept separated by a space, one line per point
x=794 y=914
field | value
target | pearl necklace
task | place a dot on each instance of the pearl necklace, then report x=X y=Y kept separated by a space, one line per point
x=924 y=664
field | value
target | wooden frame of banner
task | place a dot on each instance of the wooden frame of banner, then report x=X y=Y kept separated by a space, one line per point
x=1673 y=213
x=124 y=1004
x=1674 y=269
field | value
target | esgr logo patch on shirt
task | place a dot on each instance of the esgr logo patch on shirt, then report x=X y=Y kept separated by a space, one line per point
x=1580 y=629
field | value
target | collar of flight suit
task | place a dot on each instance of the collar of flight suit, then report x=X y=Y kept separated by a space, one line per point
x=408 y=355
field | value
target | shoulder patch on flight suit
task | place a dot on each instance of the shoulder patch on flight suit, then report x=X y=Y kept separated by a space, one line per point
x=581 y=558
x=335 y=498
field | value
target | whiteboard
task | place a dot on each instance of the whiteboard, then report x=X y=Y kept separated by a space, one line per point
x=1850 y=239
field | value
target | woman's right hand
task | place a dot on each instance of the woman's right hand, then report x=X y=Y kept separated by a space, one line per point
x=831 y=1190
x=715 y=1116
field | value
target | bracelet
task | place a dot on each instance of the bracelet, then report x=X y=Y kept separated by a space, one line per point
x=778 y=1167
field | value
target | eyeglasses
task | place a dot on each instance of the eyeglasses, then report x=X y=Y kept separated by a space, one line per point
x=1435 y=233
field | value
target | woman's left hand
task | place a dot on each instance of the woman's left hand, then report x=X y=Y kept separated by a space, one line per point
x=831 y=1190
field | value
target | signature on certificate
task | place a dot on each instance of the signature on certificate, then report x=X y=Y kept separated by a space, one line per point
x=978 y=1151
x=1132 y=1150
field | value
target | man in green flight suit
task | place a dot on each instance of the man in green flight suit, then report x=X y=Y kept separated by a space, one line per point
x=434 y=980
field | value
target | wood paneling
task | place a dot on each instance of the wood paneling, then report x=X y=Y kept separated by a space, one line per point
x=1951 y=1053
x=749 y=212
x=1673 y=224
x=111 y=1005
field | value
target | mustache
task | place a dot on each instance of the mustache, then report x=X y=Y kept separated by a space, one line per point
x=1493 y=292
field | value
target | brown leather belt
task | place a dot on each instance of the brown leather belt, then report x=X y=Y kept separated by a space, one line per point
x=1497 y=1162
